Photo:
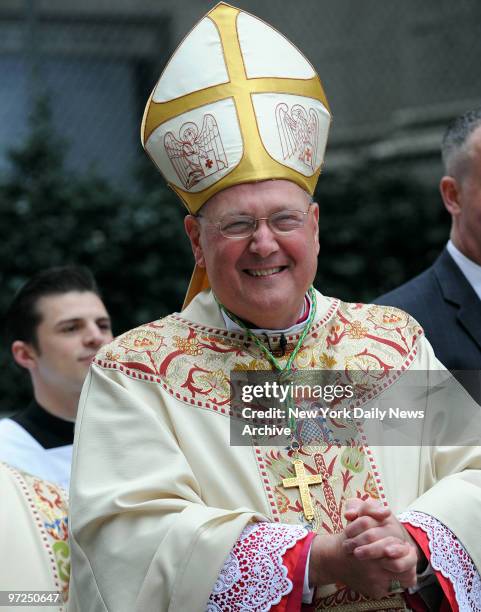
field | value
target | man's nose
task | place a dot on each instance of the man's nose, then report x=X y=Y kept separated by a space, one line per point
x=263 y=241
x=94 y=335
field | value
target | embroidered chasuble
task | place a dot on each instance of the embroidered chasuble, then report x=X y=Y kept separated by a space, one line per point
x=33 y=540
x=166 y=514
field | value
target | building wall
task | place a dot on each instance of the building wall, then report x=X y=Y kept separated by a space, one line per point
x=394 y=72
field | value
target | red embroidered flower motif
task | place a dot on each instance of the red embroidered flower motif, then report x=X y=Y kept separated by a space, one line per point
x=282 y=501
x=142 y=341
x=387 y=318
x=370 y=487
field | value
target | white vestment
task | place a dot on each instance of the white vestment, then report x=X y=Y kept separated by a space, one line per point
x=159 y=496
x=20 y=449
x=33 y=539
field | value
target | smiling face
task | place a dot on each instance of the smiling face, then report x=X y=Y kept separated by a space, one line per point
x=262 y=279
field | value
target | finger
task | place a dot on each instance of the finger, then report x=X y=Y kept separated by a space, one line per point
x=356 y=507
x=395 y=551
x=402 y=563
x=377 y=550
x=361 y=525
x=353 y=503
x=379 y=513
x=363 y=539
x=374 y=534
x=351 y=508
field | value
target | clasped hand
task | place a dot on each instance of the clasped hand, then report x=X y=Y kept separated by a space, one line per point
x=373 y=550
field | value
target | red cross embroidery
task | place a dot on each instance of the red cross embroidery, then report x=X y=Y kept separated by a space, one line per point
x=209 y=163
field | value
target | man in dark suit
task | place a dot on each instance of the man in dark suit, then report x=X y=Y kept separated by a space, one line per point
x=446 y=298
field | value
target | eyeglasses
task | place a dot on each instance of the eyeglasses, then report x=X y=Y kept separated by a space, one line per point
x=244 y=226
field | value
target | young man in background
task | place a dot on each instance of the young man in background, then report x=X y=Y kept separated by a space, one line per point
x=54 y=325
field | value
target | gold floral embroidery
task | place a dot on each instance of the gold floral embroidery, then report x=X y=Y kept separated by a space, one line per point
x=366 y=367
x=253 y=364
x=356 y=330
x=189 y=346
x=215 y=382
x=328 y=362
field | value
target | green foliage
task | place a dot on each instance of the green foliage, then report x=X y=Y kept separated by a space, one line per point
x=378 y=227
x=133 y=242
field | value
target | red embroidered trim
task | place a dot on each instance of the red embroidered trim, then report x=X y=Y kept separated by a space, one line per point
x=223 y=409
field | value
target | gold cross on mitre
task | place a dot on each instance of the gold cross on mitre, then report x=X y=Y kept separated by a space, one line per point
x=302 y=480
x=237 y=102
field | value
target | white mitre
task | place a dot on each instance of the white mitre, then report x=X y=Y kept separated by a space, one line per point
x=236 y=103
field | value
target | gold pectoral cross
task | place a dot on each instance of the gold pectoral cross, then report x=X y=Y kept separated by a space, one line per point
x=302 y=480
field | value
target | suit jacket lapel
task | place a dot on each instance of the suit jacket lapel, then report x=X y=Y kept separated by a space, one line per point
x=456 y=289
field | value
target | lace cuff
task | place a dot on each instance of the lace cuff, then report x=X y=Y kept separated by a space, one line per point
x=450 y=558
x=253 y=576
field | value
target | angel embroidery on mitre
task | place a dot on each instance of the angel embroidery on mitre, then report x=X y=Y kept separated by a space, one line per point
x=196 y=156
x=298 y=132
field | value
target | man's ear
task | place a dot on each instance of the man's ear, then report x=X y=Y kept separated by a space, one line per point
x=315 y=214
x=24 y=354
x=449 y=188
x=192 y=229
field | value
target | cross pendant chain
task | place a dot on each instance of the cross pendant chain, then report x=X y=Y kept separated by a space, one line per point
x=303 y=481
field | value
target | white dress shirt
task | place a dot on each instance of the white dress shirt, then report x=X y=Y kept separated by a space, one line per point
x=470 y=269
